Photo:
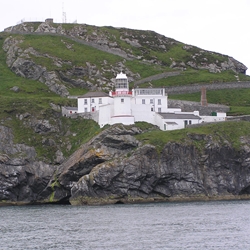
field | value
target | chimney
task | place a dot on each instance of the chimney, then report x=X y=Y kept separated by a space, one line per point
x=203 y=96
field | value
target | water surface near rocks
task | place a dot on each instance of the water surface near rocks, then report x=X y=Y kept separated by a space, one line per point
x=197 y=225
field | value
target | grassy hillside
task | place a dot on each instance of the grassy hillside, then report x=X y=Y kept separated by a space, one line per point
x=192 y=76
x=153 y=54
x=37 y=100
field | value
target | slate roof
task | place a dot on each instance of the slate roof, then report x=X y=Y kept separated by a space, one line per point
x=71 y=108
x=94 y=94
x=179 y=116
x=171 y=123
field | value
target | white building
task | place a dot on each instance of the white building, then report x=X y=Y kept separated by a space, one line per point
x=127 y=107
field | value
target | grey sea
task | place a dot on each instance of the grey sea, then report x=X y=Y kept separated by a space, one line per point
x=194 y=225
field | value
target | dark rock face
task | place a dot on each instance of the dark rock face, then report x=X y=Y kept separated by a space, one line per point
x=22 y=177
x=179 y=173
x=114 y=167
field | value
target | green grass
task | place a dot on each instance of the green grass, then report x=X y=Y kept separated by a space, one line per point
x=78 y=54
x=230 y=97
x=195 y=77
x=81 y=131
x=144 y=126
x=145 y=69
x=72 y=132
x=175 y=53
x=237 y=99
x=35 y=98
x=220 y=132
x=28 y=88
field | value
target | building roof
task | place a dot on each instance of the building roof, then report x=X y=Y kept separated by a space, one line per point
x=171 y=123
x=71 y=108
x=121 y=76
x=94 y=94
x=179 y=116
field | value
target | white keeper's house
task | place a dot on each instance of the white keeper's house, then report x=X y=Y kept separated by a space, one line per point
x=140 y=104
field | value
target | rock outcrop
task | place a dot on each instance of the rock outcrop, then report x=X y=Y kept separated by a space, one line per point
x=181 y=171
x=22 y=176
x=139 y=46
x=21 y=63
x=142 y=40
x=115 y=167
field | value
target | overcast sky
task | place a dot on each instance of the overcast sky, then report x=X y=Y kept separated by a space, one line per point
x=216 y=25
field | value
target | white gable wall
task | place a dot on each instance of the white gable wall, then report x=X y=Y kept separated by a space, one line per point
x=126 y=120
x=155 y=102
x=105 y=113
x=122 y=105
x=158 y=121
x=85 y=104
x=143 y=112
x=181 y=122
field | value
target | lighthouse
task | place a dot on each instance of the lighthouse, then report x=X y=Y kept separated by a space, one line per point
x=122 y=112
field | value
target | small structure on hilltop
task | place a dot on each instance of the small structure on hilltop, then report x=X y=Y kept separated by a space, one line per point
x=129 y=106
x=49 y=20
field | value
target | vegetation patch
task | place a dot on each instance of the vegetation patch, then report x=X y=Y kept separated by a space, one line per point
x=220 y=132
x=191 y=76
x=78 y=55
x=237 y=99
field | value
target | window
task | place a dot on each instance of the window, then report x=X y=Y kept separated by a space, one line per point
x=159 y=101
x=122 y=100
x=185 y=123
x=85 y=110
x=149 y=92
x=159 y=110
x=152 y=109
x=165 y=127
x=93 y=100
x=100 y=100
x=121 y=83
x=190 y=122
x=151 y=101
x=143 y=101
x=85 y=101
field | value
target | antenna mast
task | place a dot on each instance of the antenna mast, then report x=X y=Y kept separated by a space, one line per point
x=64 y=20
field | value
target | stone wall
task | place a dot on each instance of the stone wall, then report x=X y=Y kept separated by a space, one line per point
x=157 y=77
x=187 y=106
x=213 y=86
x=239 y=118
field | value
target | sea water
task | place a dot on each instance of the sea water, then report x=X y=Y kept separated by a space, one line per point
x=194 y=225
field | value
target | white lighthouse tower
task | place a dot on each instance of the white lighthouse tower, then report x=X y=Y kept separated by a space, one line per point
x=122 y=101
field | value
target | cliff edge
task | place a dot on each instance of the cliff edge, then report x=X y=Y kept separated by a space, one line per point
x=122 y=165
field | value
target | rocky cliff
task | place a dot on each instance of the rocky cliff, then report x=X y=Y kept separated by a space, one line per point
x=117 y=166
x=22 y=176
